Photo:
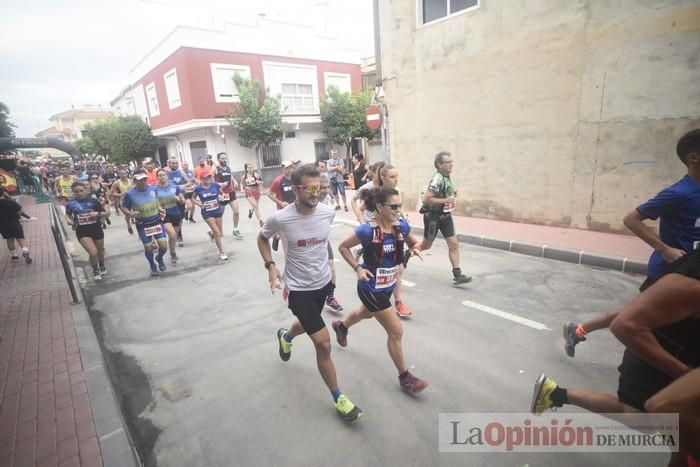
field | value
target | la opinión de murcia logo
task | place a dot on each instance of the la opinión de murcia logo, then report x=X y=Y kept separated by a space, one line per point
x=311 y=241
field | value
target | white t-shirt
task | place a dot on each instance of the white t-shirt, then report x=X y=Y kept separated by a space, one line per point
x=306 y=266
x=331 y=163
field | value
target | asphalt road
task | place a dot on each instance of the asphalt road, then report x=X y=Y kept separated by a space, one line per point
x=193 y=356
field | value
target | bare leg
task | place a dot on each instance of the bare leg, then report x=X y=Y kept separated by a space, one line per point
x=236 y=213
x=597 y=402
x=172 y=237
x=453 y=250
x=394 y=333
x=357 y=315
x=256 y=209
x=91 y=249
x=426 y=244
x=322 y=343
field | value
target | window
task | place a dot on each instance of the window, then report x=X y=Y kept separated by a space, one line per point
x=322 y=148
x=298 y=98
x=225 y=89
x=198 y=149
x=271 y=155
x=152 y=99
x=172 y=89
x=297 y=86
x=339 y=80
x=432 y=10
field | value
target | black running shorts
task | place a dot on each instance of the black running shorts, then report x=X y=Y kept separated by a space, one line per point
x=93 y=231
x=434 y=222
x=174 y=220
x=307 y=306
x=12 y=229
x=374 y=301
x=639 y=381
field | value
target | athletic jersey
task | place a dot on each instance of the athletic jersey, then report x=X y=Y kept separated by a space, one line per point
x=9 y=211
x=441 y=186
x=176 y=177
x=223 y=177
x=209 y=197
x=201 y=171
x=144 y=203
x=152 y=177
x=123 y=186
x=385 y=270
x=282 y=188
x=678 y=208
x=79 y=209
x=190 y=175
x=167 y=198
x=306 y=263
x=66 y=186
x=252 y=182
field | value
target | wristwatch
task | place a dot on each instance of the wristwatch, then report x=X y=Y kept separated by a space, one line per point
x=268 y=264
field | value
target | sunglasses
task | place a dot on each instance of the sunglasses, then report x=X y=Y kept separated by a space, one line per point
x=95 y=178
x=309 y=188
x=394 y=207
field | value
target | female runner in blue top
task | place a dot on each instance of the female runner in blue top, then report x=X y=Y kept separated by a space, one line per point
x=83 y=212
x=206 y=196
x=169 y=197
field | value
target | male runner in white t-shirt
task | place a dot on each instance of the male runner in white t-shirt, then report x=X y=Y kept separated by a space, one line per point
x=306 y=226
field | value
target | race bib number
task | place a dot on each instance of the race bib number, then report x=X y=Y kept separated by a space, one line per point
x=224 y=197
x=385 y=277
x=153 y=230
x=448 y=207
x=211 y=205
x=86 y=219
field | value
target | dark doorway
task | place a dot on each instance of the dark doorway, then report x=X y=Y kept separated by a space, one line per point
x=163 y=155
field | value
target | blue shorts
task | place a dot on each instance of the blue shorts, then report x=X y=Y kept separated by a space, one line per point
x=337 y=186
x=146 y=239
x=212 y=214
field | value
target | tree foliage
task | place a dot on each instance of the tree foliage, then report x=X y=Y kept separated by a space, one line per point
x=120 y=139
x=257 y=116
x=7 y=128
x=343 y=117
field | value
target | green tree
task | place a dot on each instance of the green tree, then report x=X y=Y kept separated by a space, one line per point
x=101 y=137
x=343 y=117
x=7 y=128
x=257 y=115
x=86 y=146
x=131 y=140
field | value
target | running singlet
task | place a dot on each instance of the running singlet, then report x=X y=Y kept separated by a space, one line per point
x=189 y=189
x=167 y=199
x=144 y=203
x=209 y=197
x=252 y=182
x=223 y=177
x=442 y=187
x=176 y=176
x=79 y=209
x=385 y=274
x=678 y=208
x=123 y=186
x=66 y=187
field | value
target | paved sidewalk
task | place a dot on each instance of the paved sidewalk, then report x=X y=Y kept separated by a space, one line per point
x=612 y=251
x=46 y=418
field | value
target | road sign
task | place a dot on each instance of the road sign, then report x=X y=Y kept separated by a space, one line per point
x=373 y=117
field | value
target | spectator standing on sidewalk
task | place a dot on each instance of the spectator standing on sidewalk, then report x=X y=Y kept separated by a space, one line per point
x=439 y=200
x=11 y=229
x=336 y=170
x=359 y=170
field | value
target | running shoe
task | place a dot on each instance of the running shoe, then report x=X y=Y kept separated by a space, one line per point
x=261 y=223
x=275 y=243
x=542 y=395
x=27 y=259
x=96 y=274
x=250 y=213
x=173 y=258
x=223 y=257
x=237 y=234
x=161 y=265
x=192 y=221
x=14 y=258
x=341 y=333
x=180 y=243
x=154 y=271
x=285 y=348
x=333 y=304
x=347 y=410
x=462 y=279
x=346 y=209
x=103 y=269
x=108 y=221
x=412 y=384
x=402 y=310
x=573 y=334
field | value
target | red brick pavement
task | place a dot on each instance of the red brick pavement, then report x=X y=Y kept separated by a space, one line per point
x=45 y=414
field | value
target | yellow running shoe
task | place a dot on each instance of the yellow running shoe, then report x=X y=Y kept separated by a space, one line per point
x=541 y=396
x=349 y=411
x=284 y=346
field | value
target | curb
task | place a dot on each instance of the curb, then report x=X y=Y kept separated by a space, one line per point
x=115 y=444
x=587 y=258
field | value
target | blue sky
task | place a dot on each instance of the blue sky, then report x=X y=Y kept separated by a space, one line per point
x=75 y=52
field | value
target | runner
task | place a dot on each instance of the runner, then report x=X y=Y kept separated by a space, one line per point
x=678 y=210
x=382 y=243
x=361 y=213
x=325 y=198
x=64 y=184
x=118 y=190
x=281 y=192
x=169 y=197
x=141 y=203
x=151 y=173
x=201 y=169
x=228 y=183
x=439 y=200
x=188 y=192
x=306 y=225
x=336 y=170
x=11 y=228
x=206 y=196
x=252 y=183
x=184 y=183
x=98 y=191
x=83 y=212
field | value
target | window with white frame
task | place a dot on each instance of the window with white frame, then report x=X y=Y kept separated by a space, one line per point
x=172 y=89
x=433 y=10
x=339 y=80
x=297 y=86
x=222 y=74
x=152 y=99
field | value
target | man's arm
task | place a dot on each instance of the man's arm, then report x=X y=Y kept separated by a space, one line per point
x=429 y=199
x=635 y=222
x=270 y=228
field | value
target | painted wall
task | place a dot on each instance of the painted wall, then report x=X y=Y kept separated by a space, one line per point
x=562 y=113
